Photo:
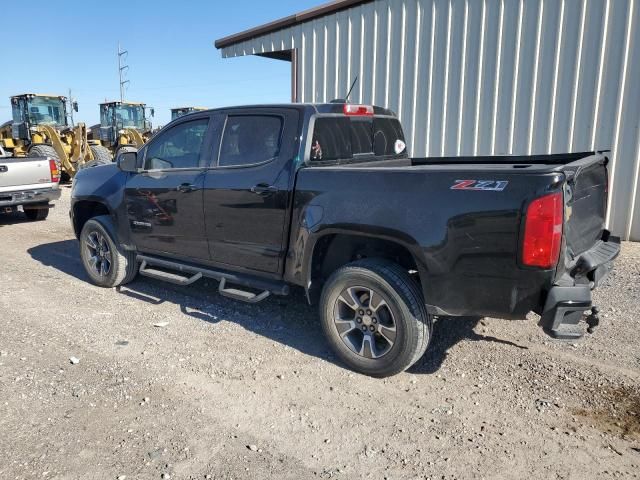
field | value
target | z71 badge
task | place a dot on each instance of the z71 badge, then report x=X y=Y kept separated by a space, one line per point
x=481 y=185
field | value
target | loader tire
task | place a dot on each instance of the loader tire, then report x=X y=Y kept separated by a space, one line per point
x=43 y=151
x=101 y=155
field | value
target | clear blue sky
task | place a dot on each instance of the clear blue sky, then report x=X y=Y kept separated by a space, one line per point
x=172 y=59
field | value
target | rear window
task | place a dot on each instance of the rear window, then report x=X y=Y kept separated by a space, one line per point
x=342 y=138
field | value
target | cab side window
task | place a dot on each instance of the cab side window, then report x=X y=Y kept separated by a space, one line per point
x=250 y=139
x=179 y=147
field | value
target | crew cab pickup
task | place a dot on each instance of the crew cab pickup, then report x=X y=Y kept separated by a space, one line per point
x=324 y=197
x=31 y=183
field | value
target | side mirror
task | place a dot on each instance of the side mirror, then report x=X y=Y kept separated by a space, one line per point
x=127 y=160
x=153 y=112
x=75 y=106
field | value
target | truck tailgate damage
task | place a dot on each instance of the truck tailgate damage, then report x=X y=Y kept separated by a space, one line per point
x=589 y=249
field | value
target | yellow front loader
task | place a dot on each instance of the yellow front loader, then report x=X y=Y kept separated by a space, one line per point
x=122 y=124
x=40 y=129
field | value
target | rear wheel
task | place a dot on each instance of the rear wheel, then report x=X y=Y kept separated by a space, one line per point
x=36 y=212
x=373 y=315
x=104 y=259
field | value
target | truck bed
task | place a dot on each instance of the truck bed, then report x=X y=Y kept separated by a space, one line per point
x=24 y=173
x=26 y=181
x=463 y=219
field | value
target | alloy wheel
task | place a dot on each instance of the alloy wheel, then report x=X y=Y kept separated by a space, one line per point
x=365 y=322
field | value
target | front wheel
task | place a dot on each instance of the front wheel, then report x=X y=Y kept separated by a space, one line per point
x=374 y=317
x=104 y=259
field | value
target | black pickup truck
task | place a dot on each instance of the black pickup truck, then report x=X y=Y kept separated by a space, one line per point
x=325 y=197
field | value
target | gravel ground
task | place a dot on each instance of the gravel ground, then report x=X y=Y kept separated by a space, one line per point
x=228 y=390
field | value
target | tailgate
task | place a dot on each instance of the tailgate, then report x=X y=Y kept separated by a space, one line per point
x=586 y=202
x=15 y=172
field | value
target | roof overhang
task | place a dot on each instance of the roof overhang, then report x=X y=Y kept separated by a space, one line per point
x=286 y=22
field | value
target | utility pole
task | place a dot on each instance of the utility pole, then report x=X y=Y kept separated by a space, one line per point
x=70 y=107
x=122 y=57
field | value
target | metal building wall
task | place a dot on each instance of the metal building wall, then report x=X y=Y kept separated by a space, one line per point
x=483 y=77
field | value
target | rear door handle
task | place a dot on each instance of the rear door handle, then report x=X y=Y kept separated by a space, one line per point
x=186 y=188
x=3 y=168
x=264 y=189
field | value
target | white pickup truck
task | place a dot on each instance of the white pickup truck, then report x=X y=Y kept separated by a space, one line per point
x=29 y=182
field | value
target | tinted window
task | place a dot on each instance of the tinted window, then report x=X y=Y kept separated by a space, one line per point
x=362 y=136
x=340 y=138
x=331 y=139
x=178 y=147
x=386 y=132
x=250 y=139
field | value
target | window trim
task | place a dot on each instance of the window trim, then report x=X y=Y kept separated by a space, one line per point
x=215 y=165
x=202 y=160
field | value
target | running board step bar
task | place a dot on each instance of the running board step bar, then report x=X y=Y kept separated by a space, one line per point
x=168 y=277
x=186 y=274
x=241 y=295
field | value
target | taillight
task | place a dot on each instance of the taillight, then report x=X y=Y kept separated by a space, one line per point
x=358 y=110
x=543 y=231
x=55 y=172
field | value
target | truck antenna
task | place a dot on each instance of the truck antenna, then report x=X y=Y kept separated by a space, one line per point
x=346 y=100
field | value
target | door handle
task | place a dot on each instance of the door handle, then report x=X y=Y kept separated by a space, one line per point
x=264 y=190
x=186 y=188
x=3 y=168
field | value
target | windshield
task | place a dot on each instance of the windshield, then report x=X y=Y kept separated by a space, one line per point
x=130 y=116
x=179 y=112
x=47 y=111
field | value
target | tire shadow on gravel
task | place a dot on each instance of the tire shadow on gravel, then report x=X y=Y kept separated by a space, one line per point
x=447 y=332
x=63 y=256
x=290 y=321
x=286 y=320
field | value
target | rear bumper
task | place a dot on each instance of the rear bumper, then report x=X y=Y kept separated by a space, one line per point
x=567 y=300
x=25 y=197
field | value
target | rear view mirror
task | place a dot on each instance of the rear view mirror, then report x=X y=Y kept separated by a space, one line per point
x=153 y=112
x=75 y=106
x=127 y=160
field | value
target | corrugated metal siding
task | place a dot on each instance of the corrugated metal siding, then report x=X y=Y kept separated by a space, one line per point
x=483 y=77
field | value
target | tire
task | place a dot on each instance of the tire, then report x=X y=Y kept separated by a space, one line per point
x=40 y=212
x=101 y=155
x=105 y=261
x=43 y=151
x=398 y=327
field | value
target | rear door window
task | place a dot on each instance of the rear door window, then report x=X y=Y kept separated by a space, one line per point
x=250 y=139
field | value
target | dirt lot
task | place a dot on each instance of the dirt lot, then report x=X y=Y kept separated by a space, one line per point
x=228 y=390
